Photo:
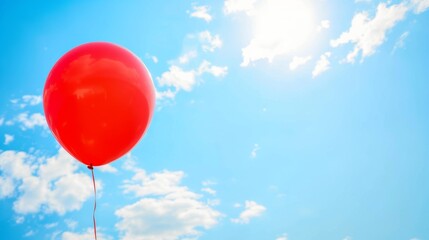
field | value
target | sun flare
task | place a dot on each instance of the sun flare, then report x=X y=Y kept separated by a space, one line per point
x=279 y=27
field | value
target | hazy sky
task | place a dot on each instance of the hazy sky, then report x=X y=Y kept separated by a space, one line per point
x=275 y=119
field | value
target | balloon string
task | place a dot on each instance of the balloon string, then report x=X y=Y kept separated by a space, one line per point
x=95 y=201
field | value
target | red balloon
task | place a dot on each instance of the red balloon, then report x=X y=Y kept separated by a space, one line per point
x=98 y=100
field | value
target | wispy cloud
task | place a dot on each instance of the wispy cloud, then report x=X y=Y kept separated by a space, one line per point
x=208 y=183
x=183 y=74
x=209 y=42
x=366 y=34
x=251 y=210
x=208 y=190
x=400 y=42
x=152 y=57
x=234 y=6
x=27 y=100
x=51 y=225
x=28 y=121
x=208 y=67
x=108 y=168
x=254 y=151
x=324 y=24
x=166 y=94
x=282 y=237
x=178 y=79
x=298 y=61
x=322 y=64
x=88 y=234
x=71 y=224
x=201 y=12
x=8 y=139
x=186 y=57
x=29 y=233
x=420 y=6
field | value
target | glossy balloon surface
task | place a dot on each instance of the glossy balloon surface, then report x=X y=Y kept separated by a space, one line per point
x=98 y=101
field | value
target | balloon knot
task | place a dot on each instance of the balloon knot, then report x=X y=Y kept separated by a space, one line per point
x=90 y=167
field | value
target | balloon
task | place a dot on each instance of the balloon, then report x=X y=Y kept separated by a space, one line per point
x=98 y=99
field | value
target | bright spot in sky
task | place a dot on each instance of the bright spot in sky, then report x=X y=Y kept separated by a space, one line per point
x=279 y=27
x=288 y=21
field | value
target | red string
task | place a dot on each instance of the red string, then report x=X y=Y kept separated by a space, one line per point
x=95 y=201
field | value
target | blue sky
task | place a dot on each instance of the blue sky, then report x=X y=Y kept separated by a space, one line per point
x=275 y=119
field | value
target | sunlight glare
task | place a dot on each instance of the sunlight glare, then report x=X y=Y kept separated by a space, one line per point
x=284 y=24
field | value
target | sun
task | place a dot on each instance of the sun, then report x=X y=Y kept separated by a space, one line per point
x=279 y=27
x=285 y=20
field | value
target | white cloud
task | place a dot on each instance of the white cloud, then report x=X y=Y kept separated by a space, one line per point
x=254 y=151
x=251 y=210
x=51 y=225
x=216 y=71
x=234 y=6
x=71 y=224
x=1 y=121
x=298 y=61
x=347 y=238
x=324 y=24
x=107 y=168
x=166 y=209
x=167 y=94
x=167 y=219
x=420 y=5
x=29 y=233
x=129 y=162
x=48 y=185
x=27 y=100
x=201 y=12
x=209 y=42
x=12 y=168
x=180 y=79
x=185 y=58
x=8 y=139
x=19 y=219
x=401 y=41
x=154 y=59
x=282 y=237
x=32 y=100
x=213 y=202
x=322 y=64
x=87 y=235
x=155 y=184
x=368 y=34
x=208 y=190
x=208 y=183
x=31 y=121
